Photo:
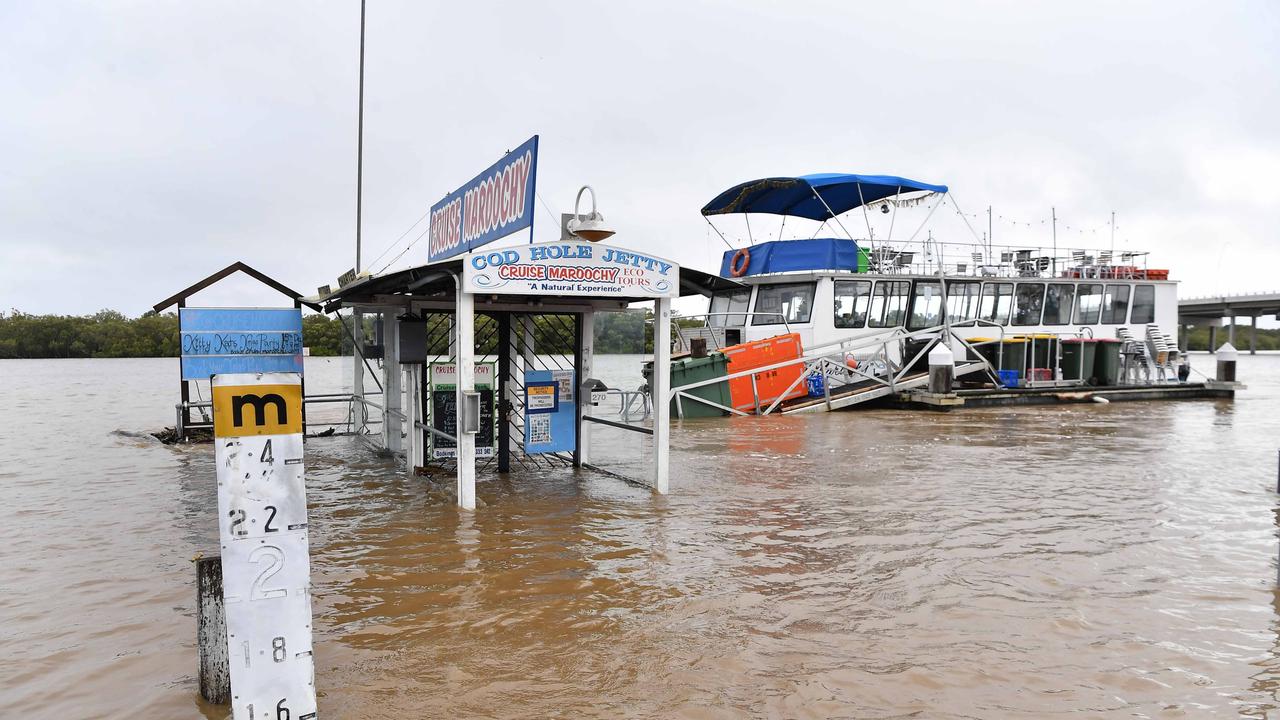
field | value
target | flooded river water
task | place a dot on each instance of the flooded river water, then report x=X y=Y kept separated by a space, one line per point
x=1106 y=561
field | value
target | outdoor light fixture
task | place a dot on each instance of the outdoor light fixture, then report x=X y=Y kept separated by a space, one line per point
x=591 y=228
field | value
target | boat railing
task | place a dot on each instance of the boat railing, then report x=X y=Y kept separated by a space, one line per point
x=959 y=260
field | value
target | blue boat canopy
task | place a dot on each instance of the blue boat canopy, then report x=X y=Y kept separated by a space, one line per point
x=799 y=196
x=778 y=256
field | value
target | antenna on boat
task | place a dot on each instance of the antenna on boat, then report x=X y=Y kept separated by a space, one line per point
x=991 y=236
x=1054 y=211
x=1113 y=232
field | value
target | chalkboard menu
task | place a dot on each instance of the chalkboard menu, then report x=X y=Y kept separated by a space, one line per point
x=442 y=410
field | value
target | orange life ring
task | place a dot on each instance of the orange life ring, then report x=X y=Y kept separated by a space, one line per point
x=737 y=270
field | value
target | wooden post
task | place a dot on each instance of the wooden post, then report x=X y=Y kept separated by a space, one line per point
x=211 y=632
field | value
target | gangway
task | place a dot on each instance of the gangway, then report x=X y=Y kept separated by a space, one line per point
x=868 y=390
x=881 y=370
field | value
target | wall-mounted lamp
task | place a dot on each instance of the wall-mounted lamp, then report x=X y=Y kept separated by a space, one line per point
x=590 y=227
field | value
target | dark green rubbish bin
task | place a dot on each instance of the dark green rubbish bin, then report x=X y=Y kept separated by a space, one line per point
x=1106 y=362
x=1013 y=354
x=689 y=370
x=1077 y=358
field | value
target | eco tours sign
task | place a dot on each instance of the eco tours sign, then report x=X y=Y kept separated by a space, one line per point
x=570 y=268
x=496 y=203
x=262 y=528
x=239 y=340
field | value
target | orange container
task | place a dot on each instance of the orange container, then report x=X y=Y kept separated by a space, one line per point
x=770 y=384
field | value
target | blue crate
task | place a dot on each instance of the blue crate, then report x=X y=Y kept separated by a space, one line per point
x=1009 y=378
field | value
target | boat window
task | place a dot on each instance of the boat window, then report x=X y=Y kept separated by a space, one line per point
x=962 y=300
x=889 y=303
x=1088 y=304
x=1144 y=304
x=926 y=305
x=1115 y=305
x=997 y=299
x=1027 y=304
x=1057 y=304
x=729 y=301
x=853 y=297
x=792 y=303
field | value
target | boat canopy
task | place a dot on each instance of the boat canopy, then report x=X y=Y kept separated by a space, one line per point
x=779 y=256
x=816 y=197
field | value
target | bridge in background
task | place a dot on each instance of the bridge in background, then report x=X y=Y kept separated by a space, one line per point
x=1211 y=310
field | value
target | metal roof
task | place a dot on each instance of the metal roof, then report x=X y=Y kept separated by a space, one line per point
x=435 y=281
x=230 y=270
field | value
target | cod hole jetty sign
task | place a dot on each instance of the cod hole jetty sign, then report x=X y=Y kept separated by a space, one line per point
x=262 y=528
x=570 y=268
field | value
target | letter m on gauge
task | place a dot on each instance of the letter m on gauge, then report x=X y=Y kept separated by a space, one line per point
x=257 y=404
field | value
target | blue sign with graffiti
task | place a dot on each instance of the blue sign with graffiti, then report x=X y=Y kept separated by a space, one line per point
x=239 y=340
x=496 y=203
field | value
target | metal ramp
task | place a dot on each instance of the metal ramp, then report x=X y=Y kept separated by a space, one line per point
x=868 y=390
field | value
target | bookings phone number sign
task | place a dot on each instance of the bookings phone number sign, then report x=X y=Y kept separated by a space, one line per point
x=262 y=521
x=570 y=268
x=496 y=203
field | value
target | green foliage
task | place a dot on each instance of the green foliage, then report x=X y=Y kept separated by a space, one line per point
x=109 y=334
x=1198 y=338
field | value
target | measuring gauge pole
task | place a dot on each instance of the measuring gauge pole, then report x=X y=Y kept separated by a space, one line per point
x=266 y=569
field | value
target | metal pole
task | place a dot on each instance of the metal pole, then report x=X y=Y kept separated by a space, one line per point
x=586 y=361
x=360 y=142
x=464 y=321
x=991 y=236
x=1054 y=272
x=661 y=386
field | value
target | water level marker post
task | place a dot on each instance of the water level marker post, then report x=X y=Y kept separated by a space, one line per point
x=262 y=530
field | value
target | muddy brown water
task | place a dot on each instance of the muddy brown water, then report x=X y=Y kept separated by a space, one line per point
x=1099 y=561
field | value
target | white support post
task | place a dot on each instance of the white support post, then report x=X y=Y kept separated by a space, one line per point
x=359 y=414
x=411 y=443
x=659 y=388
x=584 y=396
x=392 y=426
x=464 y=322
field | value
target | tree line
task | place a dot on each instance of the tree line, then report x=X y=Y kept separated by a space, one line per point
x=110 y=334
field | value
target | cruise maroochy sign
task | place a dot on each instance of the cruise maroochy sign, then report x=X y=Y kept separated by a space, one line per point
x=570 y=268
x=496 y=203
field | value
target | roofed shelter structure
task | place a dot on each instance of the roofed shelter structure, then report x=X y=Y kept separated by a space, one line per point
x=283 y=338
x=475 y=315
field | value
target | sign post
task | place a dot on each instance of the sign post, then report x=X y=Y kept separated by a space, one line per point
x=262 y=526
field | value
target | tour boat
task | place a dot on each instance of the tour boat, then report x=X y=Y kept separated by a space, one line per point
x=859 y=316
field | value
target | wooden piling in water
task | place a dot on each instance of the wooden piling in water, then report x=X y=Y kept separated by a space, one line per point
x=211 y=632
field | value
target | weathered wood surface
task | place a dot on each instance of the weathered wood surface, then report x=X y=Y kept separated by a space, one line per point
x=211 y=632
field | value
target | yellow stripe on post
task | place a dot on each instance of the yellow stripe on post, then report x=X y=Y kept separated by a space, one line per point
x=240 y=410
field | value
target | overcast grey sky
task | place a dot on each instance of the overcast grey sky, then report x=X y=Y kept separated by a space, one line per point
x=146 y=144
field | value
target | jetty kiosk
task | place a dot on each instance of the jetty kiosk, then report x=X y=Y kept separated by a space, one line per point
x=510 y=402
x=463 y=379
